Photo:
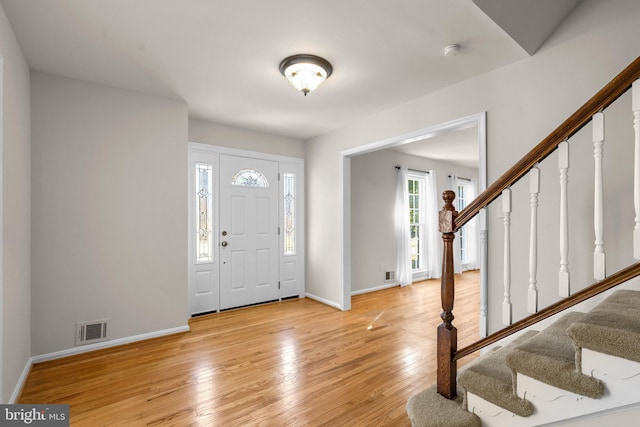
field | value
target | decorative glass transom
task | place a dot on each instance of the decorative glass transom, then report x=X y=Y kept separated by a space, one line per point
x=204 y=212
x=250 y=178
x=289 y=214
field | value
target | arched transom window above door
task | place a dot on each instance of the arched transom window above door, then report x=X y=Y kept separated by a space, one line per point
x=250 y=178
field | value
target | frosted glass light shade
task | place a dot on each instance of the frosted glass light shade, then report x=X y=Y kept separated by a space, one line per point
x=305 y=72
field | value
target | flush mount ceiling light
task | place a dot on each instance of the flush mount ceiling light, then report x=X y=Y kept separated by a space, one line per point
x=305 y=72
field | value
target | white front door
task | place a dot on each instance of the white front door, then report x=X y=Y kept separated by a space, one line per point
x=249 y=255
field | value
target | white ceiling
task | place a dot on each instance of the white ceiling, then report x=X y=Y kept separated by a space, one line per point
x=221 y=57
x=459 y=147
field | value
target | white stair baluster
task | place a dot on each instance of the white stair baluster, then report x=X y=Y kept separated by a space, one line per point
x=598 y=197
x=506 y=212
x=483 y=274
x=563 y=165
x=635 y=106
x=534 y=190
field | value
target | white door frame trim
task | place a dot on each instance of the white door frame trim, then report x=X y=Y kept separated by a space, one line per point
x=1 y=229
x=214 y=150
x=479 y=120
x=242 y=153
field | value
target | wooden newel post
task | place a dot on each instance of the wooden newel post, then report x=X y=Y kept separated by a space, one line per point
x=447 y=333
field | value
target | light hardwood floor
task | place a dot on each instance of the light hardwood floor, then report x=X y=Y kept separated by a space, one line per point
x=294 y=363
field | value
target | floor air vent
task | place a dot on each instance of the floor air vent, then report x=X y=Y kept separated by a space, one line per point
x=90 y=332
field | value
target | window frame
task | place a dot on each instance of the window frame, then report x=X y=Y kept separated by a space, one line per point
x=462 y=202
x=421 y=255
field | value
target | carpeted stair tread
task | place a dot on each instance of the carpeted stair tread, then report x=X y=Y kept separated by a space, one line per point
x=429 y=409
x=550 y=357
x=612 y=327
x=490 y=378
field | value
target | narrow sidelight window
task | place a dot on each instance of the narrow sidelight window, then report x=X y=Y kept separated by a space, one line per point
x=289 y=182
x=204 y=212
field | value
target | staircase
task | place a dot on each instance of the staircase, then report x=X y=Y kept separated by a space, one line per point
x=583 y=363
x=576 y=357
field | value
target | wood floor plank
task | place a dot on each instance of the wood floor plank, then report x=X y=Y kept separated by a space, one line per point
x=293 y=363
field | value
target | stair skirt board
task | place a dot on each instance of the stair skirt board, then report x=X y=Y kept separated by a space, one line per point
x=607 y=367
x=620 y=416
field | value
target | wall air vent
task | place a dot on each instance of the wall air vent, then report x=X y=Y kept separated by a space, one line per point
x=389 y=276
x=90 y=332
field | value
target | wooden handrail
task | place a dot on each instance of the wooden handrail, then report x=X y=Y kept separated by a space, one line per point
x=601 y=100
x=610 y=282
x=451 y=221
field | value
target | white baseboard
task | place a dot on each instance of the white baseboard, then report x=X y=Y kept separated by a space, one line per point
x=377 y=288
x=323 y=301
x=20 y=385
x=85 y=349
x=107 y=344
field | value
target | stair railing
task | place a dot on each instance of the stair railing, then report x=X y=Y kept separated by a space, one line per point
x=451 y=221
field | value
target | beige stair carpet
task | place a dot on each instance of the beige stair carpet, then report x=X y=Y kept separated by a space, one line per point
x=613 y=327
x=550 y=357
x=429 y=409
x=490 y=378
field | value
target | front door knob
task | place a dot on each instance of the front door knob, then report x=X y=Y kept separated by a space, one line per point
x=224 y=244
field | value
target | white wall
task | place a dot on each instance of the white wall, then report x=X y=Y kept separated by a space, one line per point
x=524 y=102
x=373 y=187
x=15 y=270
x=221 y=135
x=109 y=228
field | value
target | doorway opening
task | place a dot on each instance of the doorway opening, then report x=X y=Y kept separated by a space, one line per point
x=408 y=145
